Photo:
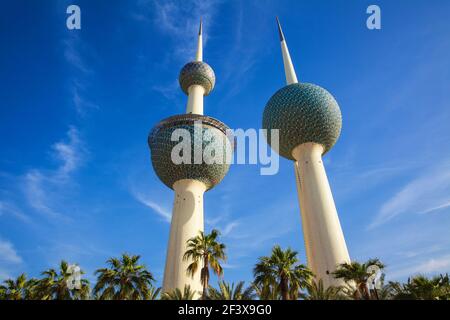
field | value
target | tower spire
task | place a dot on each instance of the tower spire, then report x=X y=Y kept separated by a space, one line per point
x=199 y=54
x=289 y=70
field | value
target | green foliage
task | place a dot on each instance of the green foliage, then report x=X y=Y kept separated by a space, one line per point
x=315 y=290
x=177 y=294
x=421 y=288
x=153 y=293
x=230 y=292
x=17 y=289
x=356 y=275
x=125 y=279
x=280 y=274
x=266 y=291
x=54 y=285
x=205 y=251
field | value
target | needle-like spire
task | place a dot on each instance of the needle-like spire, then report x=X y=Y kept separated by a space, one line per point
x=289 y=70
x=280 y=31
x=200 y=29
x=199 y=54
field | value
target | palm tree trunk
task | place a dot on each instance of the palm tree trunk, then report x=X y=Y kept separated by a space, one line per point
x=284 y=288
x=367 y=291
x=204 y=293
x=375 y=293
x=206 y=278
x=364 y=291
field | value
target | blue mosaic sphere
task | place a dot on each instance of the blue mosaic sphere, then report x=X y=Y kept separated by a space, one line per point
x=303 y=112
x=197 y=72
x=210 y=136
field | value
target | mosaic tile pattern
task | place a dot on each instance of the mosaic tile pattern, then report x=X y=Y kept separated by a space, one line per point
x=197 y=72
x=303 y=112
x=214 y=137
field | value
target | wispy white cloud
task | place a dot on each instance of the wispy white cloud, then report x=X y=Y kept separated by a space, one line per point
x=157 y=208
x=427 y=193
x=229 y=227
x=236 y=71
x=7 y=208
x=180 y=20
x=37 y=194
x=81 y=104
x=169 y=91
x=256 y=231
x=79 y=74
x=230 y=266
x=429 y=266
x=42 y=188
x=435 y=265
x=221 y=218
x=213 y=221
x=8 y=253
x=350 y=180
x=72 y=54
x=9 y=259
x=247 y=47
x=412 y=243
x=420 y=252
x=437 y=208
x=70 y=153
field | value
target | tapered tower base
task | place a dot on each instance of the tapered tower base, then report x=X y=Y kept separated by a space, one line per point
x=324 y=240
x=187 y=221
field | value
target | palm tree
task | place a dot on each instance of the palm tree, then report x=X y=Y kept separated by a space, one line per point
x=153 y=293
x=282 y=268
x=124 y=280
x=229 y=292
x=55 y=285
x=358 y=273
x=316 y=291
x=422 y=288
x=266 y=291
x=17 y=289
x=206 y=250
x=385 y=291
x=176 y=294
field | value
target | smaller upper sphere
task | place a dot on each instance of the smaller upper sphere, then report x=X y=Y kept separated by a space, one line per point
x=303 y=112
x=197 y=72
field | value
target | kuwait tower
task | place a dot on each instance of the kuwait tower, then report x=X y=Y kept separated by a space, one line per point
x=205 y=162
x=309 y=122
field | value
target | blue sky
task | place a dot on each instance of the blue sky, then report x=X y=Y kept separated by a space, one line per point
x=76 y=181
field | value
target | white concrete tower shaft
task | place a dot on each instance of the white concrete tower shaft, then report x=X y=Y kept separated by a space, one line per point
x=195 y=91
x=324 y=240
x=187 y=221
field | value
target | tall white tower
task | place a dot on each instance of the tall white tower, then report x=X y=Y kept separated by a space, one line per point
x=192 y=179
x=309 y=122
